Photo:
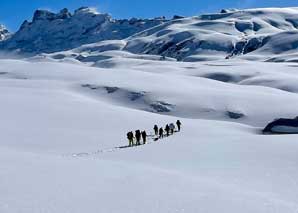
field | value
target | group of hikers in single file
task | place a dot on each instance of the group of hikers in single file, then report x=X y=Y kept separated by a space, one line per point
x=159 y=132
x=138 y=136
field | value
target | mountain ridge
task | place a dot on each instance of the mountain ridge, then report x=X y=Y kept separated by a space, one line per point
x=51 y=32
x=254 y=34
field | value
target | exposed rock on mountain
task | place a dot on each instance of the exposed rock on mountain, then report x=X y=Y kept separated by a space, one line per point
x=52 y=32
x=267 y=34
x=226 y=34
x=4 y=33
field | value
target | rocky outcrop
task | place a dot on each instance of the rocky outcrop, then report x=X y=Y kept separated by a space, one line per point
x=282 y=126
x=41 y=15
x=4 y=33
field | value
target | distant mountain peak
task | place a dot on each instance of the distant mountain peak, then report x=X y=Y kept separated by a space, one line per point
x=251 y=33
x=84 y=10
x=41 y=15
x=51 y=32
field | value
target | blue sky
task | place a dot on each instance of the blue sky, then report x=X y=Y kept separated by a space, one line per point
x=14 y=12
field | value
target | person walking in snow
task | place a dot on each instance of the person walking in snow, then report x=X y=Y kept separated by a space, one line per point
x=178 y=125
x=172 y=128
x=144 y=136
x=167 y=129
x=138 y=137
x=156 y=129
x=161 y=133
x=130 y=138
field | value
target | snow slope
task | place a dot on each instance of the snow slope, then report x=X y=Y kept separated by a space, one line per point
x=60 y=122
x=204 y=94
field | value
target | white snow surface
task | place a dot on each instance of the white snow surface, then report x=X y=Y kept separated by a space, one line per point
x=61 y=119
x=90 y=79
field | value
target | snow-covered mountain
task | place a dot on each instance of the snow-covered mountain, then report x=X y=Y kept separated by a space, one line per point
x=4 y=33
x=255 y=31
x=65 y=115
x=259 y=34
x=51 y=32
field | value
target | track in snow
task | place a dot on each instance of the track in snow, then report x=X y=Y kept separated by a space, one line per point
x=114 y=149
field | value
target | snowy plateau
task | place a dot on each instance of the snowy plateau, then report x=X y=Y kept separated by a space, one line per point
x=73 y=84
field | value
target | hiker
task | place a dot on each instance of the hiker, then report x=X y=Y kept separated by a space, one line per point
x=172 y=128
x=156 y=129
x=130 y=138
x=161 y=133
x=144 y=136
x=178 y=125
x=167 y=130
x=138 y=137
